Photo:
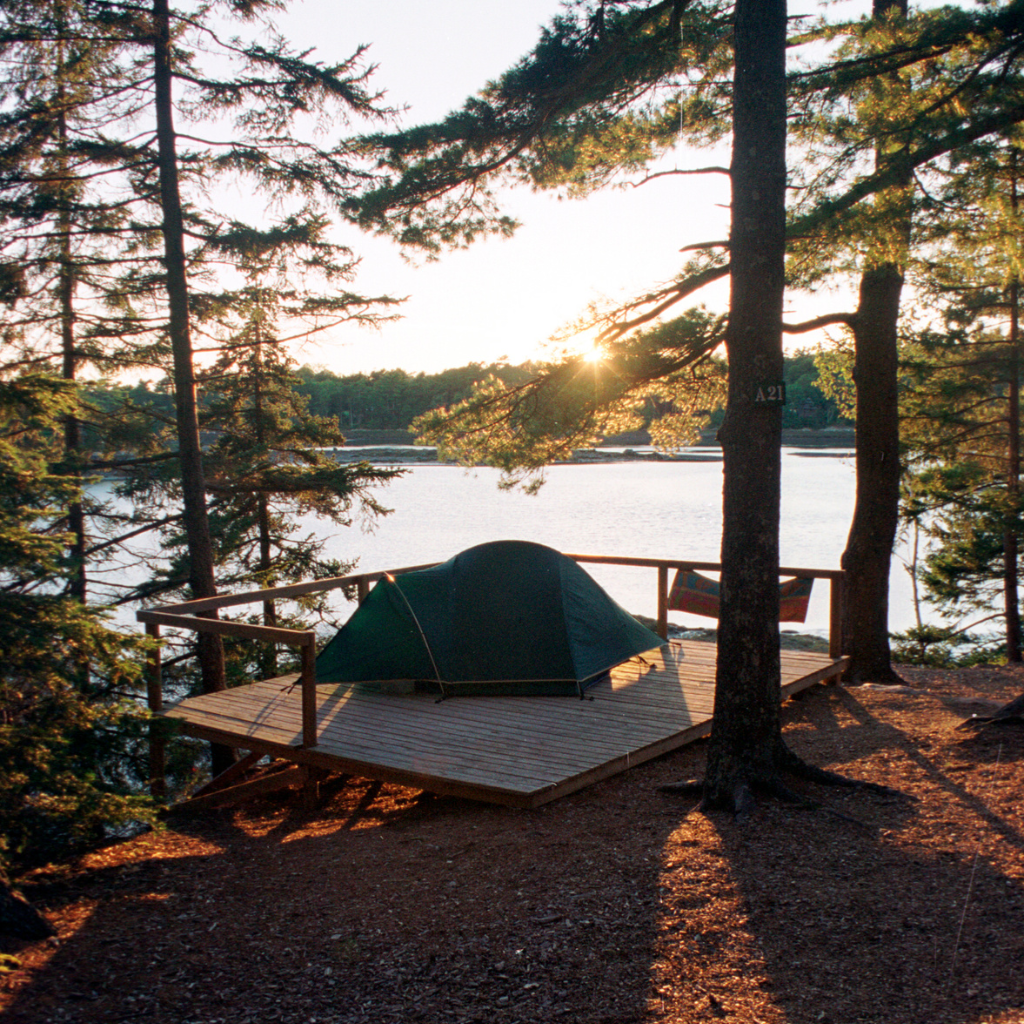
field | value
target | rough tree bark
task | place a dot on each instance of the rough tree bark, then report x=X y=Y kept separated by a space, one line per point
x=746 y=747
x=876 y=512
x=1011 y=553
x=78 y=583
x=872 y=534
x=193 y=484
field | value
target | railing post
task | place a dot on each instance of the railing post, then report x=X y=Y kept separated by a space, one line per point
x=837 y=595
x=308 y=682
x=362 y=589
x=155 y=700
x=663 y=601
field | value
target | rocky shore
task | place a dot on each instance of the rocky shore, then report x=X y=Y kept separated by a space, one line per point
x=789 y=639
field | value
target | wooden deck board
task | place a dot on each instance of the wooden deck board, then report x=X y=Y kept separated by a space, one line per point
x=410 y=716
x=522 y=751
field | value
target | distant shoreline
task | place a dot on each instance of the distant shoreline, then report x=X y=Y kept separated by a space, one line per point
x=830 y=437
x=396 y=447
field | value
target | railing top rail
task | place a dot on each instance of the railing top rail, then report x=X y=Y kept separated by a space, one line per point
x=249 y=630
x=206 y=604
x=689 y=563
x=189 y=609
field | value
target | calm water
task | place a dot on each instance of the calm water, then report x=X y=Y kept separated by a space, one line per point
x=656 y=509
x=645 y=509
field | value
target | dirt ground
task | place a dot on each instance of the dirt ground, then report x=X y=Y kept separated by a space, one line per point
x=617 y=905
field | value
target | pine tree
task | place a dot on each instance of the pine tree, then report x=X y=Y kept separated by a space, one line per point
x=746 y=748
x=60 y=236
x=962 y=399
x=94 y=144
x=70 y=723
x=874 y=326
x=599 y=98
x=592 y=101
x=163 y=192
x=268 y=468
x=900 y=112
x=571 y=404
x=275 y=86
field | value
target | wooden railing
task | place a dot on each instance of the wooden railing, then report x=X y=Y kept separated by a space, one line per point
x=200 y=615
x=663 y=565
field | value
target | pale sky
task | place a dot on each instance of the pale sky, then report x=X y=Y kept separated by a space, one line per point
x=500 y=298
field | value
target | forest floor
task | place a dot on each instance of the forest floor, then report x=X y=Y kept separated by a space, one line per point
x=616 y=905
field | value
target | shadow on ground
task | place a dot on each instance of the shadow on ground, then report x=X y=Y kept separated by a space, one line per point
x=912 y=915
x=392 y=907
x=616 y=905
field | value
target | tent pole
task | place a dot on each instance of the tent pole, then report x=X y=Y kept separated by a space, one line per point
x=423 y=636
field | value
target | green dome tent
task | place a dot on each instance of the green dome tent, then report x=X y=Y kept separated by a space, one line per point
x=508 y=617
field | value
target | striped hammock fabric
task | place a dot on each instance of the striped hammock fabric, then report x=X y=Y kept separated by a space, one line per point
x=699 y=595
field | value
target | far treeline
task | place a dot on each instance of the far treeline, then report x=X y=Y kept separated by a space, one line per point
x=880 y=159
x=394 y=399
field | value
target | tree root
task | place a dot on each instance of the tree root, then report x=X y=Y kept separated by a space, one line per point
x=1008 y=714
x=740 y=797
x=797 y=766
x=692 y=788
x=856 y=676
x=743 y=802
x=777 y=788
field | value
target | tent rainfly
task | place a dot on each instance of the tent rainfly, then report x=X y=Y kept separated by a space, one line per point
x=508 y=617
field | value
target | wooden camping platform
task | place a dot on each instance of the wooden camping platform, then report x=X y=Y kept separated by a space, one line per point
x=518 y=751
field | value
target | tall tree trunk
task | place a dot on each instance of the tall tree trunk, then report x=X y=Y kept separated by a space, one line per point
x=876 y=512
x=1011 y=554
x=872 y=534
x=746 y=739
x=78 y=585
x=268 y=658
x=193 y=485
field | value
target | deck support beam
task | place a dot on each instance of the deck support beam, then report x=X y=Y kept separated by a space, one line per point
x=663 y=602
x=308 y=683
x=269 y=782
x=155 y=700
x=228 y=776
x=836 y=600
x=310 y=793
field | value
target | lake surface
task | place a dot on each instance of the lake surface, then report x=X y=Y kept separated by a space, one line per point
x=645 y=509
x=639 y=509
